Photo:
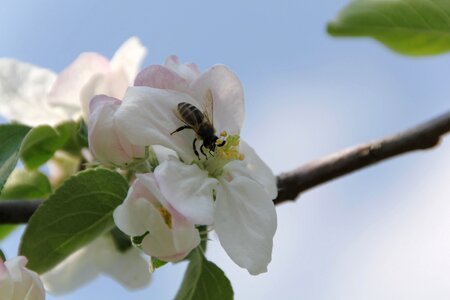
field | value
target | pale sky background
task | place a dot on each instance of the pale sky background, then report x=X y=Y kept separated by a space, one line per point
x=381 y=233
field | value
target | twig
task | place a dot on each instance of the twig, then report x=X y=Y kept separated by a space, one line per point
x=424 y=136
x=17 y=211
x=291 y=184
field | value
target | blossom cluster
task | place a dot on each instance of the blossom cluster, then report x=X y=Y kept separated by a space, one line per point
x=205 y=174
x=175 y=132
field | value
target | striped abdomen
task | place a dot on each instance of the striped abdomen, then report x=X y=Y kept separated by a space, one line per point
x=190 y=114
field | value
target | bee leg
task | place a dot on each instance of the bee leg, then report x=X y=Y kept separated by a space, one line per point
x=203 y=152
x=195 y=149
x=222 y=144
x=181 y=128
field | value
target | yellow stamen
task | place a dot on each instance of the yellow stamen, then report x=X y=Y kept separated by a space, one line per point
x=166 y=216
x=223 y=134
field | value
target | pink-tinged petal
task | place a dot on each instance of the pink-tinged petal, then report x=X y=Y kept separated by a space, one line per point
x=109 y=145
x=128 y=58
x=188 y=189
x=224 y=88
x=147 y=117
x=23 y=93
x=66 y=91
x=129 y=268
x=188 y=71
x=160 y=77
x=72 y=273
x=245 y=222
x=252 y=166
x=141 y=212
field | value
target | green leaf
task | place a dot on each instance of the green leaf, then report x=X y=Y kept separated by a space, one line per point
x=5 y=230
x=204 y=280
x=78 y=212
x=411 y=27
x=40 y=145
x=74 y=133
x=11 y=137
x=156 y=263
x=26 y=184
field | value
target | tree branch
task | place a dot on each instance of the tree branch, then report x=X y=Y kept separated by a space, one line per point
x=291 y=184
x=424 y=136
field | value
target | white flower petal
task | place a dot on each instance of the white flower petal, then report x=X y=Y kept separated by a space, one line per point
x=188 y=189
x=245 y=222
x=66 y=91
x=107 y=142
x=227 y=95
x=128 y=268
x=128 y=58
x=147 y=117
x=163 y=153
x=255 y=168
x=170 y=244
x=140 y=213
x=6 y=284
x=73 y=272
x=133 y=215
x=23 y=94
x=27 y=284
x=113 y=84
x=187 y=71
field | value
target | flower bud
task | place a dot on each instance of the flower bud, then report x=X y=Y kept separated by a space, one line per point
x=107 y=142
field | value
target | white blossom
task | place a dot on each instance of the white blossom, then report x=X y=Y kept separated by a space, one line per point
x=167 y=234
x=34 y=96
x=230 y=189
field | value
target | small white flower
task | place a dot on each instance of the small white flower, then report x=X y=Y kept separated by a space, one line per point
x=101 y=256
x=34 y=96
x=18 y=282
x=167 y=234
x=232 y=189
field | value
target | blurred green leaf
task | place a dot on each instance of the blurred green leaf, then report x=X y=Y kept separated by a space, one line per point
x=204 y=280
x=121 y=240
x=5 y=230
x=78 y=212
x=411 y=27
x=11 y=137
x=26 y=184
x=40 y=145
x=74 y=133
x=156 y=263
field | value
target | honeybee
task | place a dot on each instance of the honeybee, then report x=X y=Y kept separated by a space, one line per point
x=200 y=123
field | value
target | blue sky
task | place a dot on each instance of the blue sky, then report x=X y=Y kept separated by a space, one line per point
x=382 y=233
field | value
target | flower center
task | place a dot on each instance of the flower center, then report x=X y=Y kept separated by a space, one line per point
x=223 y=154
x=166 y=216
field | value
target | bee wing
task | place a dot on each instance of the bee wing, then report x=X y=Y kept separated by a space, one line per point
x=178 y=115
x=208 y=109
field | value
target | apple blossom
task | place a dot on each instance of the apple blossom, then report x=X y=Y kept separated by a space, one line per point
x=230 y=189
x=101 y=256
x=32 y=95
x=167 y=234
x=18 y=282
